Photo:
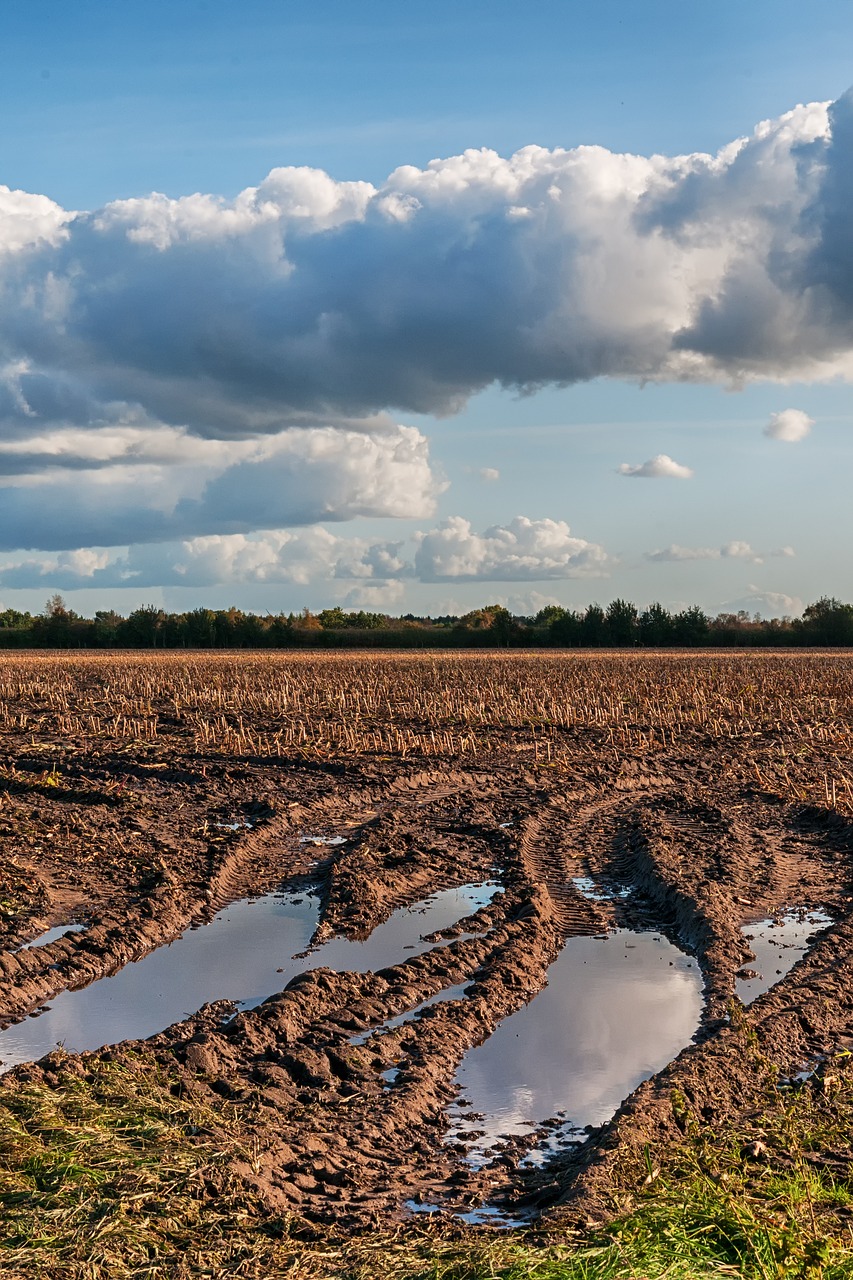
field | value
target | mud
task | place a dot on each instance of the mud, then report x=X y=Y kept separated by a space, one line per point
x=345 y=1078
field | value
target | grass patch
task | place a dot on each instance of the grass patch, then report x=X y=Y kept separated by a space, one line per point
x=118 y=1174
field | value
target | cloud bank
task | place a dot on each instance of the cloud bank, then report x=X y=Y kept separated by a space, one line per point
x=523 y=550
x=208 y=366
x=673 y=554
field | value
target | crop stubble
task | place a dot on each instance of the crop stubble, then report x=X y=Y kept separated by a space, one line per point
x=717 y=786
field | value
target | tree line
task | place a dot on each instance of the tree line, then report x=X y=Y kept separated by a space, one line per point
x=828 y=622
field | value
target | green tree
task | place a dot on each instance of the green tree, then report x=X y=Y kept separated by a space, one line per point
x=655 y=625
x=622 y=623
x=829 y=622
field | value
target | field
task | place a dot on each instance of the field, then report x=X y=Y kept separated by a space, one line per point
x=580 y=795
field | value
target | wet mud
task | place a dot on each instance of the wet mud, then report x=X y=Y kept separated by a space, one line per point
x=359 y=1081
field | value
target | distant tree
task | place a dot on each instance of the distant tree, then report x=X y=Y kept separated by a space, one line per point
x=332 y=619
x=14 y=619
x=567 y=629
x=305 y=621
x=104 y=628
x=143 y=628
x=549 y=615
x=593 y=629
x=690 y=627
x=655 y=625
x=829 y=622
x=55 y=625
x=622 y=623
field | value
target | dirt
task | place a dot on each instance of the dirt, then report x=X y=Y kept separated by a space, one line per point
x=137 y=845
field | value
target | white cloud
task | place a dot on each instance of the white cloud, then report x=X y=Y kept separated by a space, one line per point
x=378 y=596
x=115 y=486
x=659 y=467
x=790 y=425
x=729 y=551
x=28 y=221
x=769 y=604
x=523 y=550
x=174 y=368
x=308 y=295
x=489 y=474
x=529 y=604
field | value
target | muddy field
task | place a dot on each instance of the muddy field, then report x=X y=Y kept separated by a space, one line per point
x=374 y=862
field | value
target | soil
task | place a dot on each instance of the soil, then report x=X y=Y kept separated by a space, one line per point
x=137 y=845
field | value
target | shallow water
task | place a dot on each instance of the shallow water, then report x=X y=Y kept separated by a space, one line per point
x=588 y=888
x=616 y=1010
x=51 y=935
x=778 y=944
x=250 y=950
x=485 y=1215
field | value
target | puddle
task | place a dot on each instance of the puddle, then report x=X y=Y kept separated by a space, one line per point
x=249 y=950
x=778 y=944
x=588 y=888
x=486 y=1215
x=449 y=993
x=617 y=1009
x=51 y=935
x=244 y=824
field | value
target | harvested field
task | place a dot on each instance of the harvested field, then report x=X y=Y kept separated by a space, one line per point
x=530 y=805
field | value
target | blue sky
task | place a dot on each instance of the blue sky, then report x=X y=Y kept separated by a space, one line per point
x=294 y=397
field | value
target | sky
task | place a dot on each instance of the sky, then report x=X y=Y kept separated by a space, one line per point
x=417 y=309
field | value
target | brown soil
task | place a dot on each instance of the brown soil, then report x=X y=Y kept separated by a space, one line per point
x=126 y=840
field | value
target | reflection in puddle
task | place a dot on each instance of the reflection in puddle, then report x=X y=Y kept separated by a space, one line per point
x=485 y=1215
x=248 y=951
x=588 y=888
x=329 y=840
x=616 y=1010
x=51 y=935
x=778 y=944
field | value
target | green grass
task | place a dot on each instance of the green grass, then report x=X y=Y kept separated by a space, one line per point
x=120 y=1174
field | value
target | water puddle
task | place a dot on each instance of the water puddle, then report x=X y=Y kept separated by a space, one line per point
x=588 y=888
x=778 y=944
x=616 y=1010
x=51 y=935
x=485 y=1215
x=323 y=840
x=249 y=950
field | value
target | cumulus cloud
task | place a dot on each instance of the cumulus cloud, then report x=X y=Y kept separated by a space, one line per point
x=489 y=474
x=790 y=425
x=303 y=294
x=728 y=551
x=117 y=486
x=657 y=468
x=523 y=550
x=770 y=604
x=139 y=342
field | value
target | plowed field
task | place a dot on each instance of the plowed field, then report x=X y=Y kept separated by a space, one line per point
x=140 y=795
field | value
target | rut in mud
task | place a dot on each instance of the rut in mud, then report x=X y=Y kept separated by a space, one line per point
x=396 y=921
